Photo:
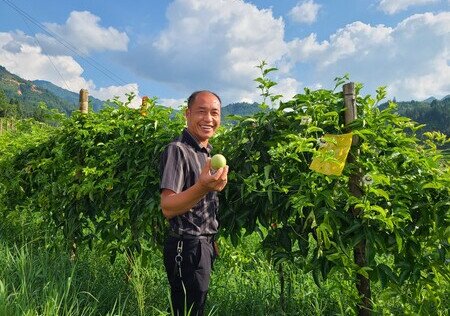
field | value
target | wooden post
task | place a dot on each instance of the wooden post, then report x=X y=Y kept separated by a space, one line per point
x=72 y=225
x=359 y=252
x=84 y=101
x=349 y=102
x=144 y=106
x=351 y=113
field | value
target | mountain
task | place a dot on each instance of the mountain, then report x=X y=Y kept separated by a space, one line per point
x=435 y=114
x=66 y=95
x=429 y=100
x=26 y=95
x=239 y=108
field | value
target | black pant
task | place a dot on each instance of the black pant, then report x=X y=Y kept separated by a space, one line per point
x=198 y=258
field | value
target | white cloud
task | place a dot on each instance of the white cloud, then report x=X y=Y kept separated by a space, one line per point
x=287 y=87
x=173 y=103
x=356 y=38
x=110 y=92
x=412 y=58
x=424 y=85
x=305 y=12
x=24 y=56
x=217 y=44
x=212 y=45
x=82 y=33
x=394 y=6
x=306 y=48
x=20 y=56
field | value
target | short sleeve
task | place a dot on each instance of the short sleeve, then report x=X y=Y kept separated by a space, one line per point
x=172 y=168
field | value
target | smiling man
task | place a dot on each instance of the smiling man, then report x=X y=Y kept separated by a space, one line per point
x=189 y=201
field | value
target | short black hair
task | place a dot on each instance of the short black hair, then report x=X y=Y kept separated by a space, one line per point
x=192 y=97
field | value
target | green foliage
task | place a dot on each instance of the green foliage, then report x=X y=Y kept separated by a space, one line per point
x=23 y=97
x=96 y=177
x=435 y=114
x=7 y=109
x=307 y=217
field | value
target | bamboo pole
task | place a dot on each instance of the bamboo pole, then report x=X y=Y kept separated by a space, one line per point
x=359 y=251
x=84 y=101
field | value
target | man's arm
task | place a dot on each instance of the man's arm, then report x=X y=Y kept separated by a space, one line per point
x=174 y=204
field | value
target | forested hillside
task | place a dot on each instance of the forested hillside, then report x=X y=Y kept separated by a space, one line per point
x=436 y=114
x=23 y=98
x=239 y=108
x=69 y=96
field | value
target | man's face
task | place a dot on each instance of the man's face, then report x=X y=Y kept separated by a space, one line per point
x=203 y=117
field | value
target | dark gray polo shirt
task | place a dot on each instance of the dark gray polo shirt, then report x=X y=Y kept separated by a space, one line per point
x=180 y=167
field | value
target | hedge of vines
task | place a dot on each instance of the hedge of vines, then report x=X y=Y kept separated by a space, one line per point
x=94 y=179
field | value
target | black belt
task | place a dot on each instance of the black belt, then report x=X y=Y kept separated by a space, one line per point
x=191 y=237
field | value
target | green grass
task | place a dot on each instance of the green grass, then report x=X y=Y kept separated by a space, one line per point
x=39 y=281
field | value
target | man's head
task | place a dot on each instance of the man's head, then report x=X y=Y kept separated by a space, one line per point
x=203 y=115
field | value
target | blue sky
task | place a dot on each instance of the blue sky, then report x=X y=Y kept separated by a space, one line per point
x=168 y=49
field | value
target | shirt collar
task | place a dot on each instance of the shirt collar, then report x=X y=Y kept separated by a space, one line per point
x=191 y=140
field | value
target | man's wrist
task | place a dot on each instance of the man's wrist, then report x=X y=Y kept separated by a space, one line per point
x=202 y=187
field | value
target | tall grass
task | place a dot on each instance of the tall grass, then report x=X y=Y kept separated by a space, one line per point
x=246 y=283
x=39 y=281
x=36 y=284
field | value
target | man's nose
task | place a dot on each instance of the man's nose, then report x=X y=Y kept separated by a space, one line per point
x=207 y=117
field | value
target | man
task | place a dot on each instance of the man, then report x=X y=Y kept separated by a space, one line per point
x=189 y=201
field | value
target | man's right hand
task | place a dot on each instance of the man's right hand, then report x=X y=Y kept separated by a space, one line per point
x=173 y=204
x=213 y=182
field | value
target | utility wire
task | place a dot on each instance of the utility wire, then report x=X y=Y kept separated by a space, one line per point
x=105 y=71
x=48 y=56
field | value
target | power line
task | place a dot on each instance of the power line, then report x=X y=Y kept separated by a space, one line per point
x=105 y=71
x=48 y=56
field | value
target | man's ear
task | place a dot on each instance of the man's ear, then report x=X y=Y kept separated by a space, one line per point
x=187 y=112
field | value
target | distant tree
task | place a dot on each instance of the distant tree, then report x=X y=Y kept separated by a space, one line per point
x=6 y=108
x=435 y=115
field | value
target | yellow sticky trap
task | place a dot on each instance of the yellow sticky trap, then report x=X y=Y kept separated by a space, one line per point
x=330 y=158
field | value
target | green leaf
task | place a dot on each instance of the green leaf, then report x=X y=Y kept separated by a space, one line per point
x=267 y=169
x=399 y=241
x=268 y=70
x=313 y=129
x=387 y=272
x=433 y=185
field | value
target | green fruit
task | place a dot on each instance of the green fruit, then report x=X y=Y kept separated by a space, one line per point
x=218 y=161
